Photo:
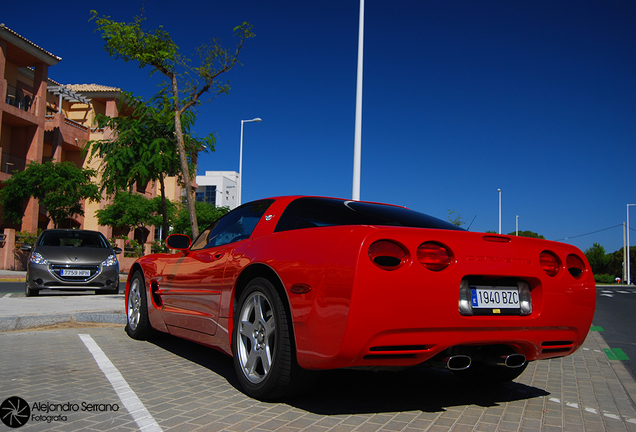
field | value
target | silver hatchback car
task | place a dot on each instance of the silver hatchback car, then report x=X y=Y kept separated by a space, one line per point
x=70 y=259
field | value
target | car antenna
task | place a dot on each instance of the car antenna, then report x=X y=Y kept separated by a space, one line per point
x=471 y=223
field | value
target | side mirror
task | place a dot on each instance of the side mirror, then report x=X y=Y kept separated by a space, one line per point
x=117 y=250
x=178 y=241
x=26 y=247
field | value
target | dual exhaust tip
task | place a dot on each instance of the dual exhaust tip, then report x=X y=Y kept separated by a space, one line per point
x=461 y=362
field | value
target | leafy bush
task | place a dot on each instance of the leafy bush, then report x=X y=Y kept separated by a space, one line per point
x=604 y=278
x=132 y=248
x=22 y=237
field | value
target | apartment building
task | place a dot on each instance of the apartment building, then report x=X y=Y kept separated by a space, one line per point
x=42 y=120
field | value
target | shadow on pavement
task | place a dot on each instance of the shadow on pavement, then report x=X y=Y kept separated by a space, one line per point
x=359 y=392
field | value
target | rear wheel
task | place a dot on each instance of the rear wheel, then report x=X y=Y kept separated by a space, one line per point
x=484 y=374
x=262 y=346
x=137 y=322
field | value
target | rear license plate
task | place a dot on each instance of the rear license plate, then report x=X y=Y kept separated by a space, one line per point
x=495 y=299
x=71 y=272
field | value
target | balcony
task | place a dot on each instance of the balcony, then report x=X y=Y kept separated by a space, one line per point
x=19 y=107
x=58 y=128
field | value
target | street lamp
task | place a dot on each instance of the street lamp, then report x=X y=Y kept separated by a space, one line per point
x=357 y=139
x=499 y=190
x=240 y=185
x=629 y=275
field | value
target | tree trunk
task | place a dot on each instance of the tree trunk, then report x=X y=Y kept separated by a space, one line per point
x=164 y=210
x=184 y=160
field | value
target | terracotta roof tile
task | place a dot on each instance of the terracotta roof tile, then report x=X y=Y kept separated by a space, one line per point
x=8 y=30
x=92 y=88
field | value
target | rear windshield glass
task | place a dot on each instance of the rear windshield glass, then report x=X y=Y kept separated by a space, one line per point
x=73 y=239
x=319 y=212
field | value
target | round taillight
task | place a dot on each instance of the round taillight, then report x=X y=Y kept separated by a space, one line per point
x=550 y=263
x=434 y=256
x=387 y=255
x=575 y=266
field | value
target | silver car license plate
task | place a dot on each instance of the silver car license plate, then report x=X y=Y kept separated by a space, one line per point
x=73 y=272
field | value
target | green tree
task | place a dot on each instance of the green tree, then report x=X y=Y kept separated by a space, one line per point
x=128 y=210
x=455 y=218
x=60 y=187
x=206 y=214
x=155 y=48
x=144 y=147
x=597 y=258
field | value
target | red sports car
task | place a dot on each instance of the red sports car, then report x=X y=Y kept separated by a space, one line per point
x=289 y=286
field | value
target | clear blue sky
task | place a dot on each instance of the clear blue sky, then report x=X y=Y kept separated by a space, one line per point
x=461 y=98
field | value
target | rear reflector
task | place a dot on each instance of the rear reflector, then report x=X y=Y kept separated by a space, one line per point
x=434 y=256
x=550 y=263
x=387 y=255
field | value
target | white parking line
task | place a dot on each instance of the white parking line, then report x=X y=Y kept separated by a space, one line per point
x=7 y=295
x=593 y=410
x=128 y=397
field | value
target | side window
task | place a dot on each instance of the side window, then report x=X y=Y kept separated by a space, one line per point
x=235 y=226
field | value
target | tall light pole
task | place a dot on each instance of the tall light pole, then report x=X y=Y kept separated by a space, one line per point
x=517 y=226
x=629 y=274
x=240 y=185
x=499 y=190
x=357 y=143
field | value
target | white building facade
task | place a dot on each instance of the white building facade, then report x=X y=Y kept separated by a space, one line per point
x=219 y=188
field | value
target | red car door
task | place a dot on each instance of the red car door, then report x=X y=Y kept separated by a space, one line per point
x=192 y=291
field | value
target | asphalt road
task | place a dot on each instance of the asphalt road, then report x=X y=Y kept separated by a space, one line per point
x=615 y=308
x=11 y=287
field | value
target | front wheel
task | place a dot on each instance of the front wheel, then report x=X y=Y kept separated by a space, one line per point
x=137 y=322
x=262 y=346
x=28 y=292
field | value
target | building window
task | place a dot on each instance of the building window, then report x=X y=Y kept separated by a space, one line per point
x=206 y=194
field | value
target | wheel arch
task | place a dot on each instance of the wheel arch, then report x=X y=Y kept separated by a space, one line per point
x=259 y=270
x=263 y=270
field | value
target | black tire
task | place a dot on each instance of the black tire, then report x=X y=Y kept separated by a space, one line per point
x=137 y=322
x=484 y=374
x=261 y=327
x=29 y=292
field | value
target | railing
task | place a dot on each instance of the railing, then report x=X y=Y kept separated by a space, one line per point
x=20 y=99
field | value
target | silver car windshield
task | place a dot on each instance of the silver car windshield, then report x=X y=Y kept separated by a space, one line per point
x=73 y=239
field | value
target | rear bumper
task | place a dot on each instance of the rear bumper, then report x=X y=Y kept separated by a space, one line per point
x=390 y=325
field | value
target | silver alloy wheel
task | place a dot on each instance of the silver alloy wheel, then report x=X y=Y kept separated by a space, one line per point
x=256 y=337
x=134 y=304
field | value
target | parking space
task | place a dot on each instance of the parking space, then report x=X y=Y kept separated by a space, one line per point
x=184 y=386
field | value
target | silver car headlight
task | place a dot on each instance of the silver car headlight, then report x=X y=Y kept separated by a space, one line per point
x=110 y=261
x=37 y=258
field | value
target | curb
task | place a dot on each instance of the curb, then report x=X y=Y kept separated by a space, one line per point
x=8 y=324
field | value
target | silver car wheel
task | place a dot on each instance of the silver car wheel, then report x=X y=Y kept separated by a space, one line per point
x=256 y=337
x=134 y=304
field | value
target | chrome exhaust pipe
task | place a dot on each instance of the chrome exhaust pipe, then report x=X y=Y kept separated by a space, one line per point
x=509 y=360
x=457 y=362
